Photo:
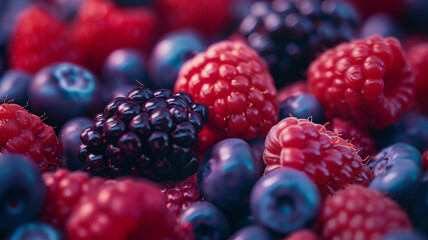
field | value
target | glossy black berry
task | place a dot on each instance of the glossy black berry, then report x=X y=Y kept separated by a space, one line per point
x=163 y=93
x=128 y=110
x=147 y=134
x=111 y=107
x=289 y=33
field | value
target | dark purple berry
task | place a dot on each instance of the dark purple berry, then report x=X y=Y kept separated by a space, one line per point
x=128 y=110
x=185 y=135
x=196 y=119
x=178 y=101
x=159 y=143
x=140 y=125
x=140 y=95
x=129 y=144
x=114 y=127
x=163 y=93
x=154 y=103
x=178 y=114
x=202 y=110
x=110 y=108
x=99 y=122
x=160 y=119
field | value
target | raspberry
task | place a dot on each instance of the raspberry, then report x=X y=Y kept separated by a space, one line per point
x=64 y=191
x=303 y=234
x=289 y=33
x=358 y=137
x=102 y=27
x=361 y=213
x=40 y=39
x=233 y=82
x=418 y=57
x=331 y=162
x=208 y=17
x=179 y=195
x=24 y=133
x=148 y=134
x=125 y=210
x=368 y=81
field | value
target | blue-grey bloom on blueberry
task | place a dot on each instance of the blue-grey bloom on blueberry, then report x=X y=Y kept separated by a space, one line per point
x=252 y=232
x=397 y=171
x=36 y=231
x=170 y=53
x=70 y=138
x=22 y=191
x=124 y=66
x=14 y=86
x=64 y=91
x=208 y=221
x=418 y=211
x=411 y=128
x=228 y=173
x=302 y=105
x=403 y=235
x=285 y=200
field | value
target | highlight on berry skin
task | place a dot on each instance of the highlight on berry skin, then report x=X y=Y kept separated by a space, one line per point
x=213 y=120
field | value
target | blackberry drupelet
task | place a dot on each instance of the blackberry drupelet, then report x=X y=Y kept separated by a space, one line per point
x=148 y=134
x=289 y=33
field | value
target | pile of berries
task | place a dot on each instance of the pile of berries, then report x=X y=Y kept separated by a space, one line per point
x=225 y=119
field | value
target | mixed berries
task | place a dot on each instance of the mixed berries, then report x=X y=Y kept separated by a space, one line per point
x=213 y=120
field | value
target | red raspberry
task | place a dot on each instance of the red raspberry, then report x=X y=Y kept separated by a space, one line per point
x=425 y=161
x=64 y=191
x=358 y=137
x=418 y=57
x=24 y=133
x=208 y=17
x=125 y=210
x=179 y=195
x=102 y=27
x=234 y=83
x=368 y=81
x=40 y=39
x=303 y=234
x=331 y=162
x=361 y=213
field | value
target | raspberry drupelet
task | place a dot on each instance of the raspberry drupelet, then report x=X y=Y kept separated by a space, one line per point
x=25 y=133
x=233 y=81
x=368 y=81
x=361 y=213
x=330 y=161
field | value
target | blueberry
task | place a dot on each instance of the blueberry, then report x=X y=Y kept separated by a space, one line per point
x=285 y=200
x=70 y=138
x=36 y=231
x=14 y=86
x=170 y=53
x=64 y=91
x=304 y=105
x=403 y=234
x=397 y=170
x=208 y=222
x=22 y=191
x=160 y=119
x=418 y=211
x=228 y=167
x=185 y=135
x=252 y=232
x=411 y=128
x=124 y=66
x=382 y=24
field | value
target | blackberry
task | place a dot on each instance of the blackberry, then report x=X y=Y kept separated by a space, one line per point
x=289 y=33
x=148 y=134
